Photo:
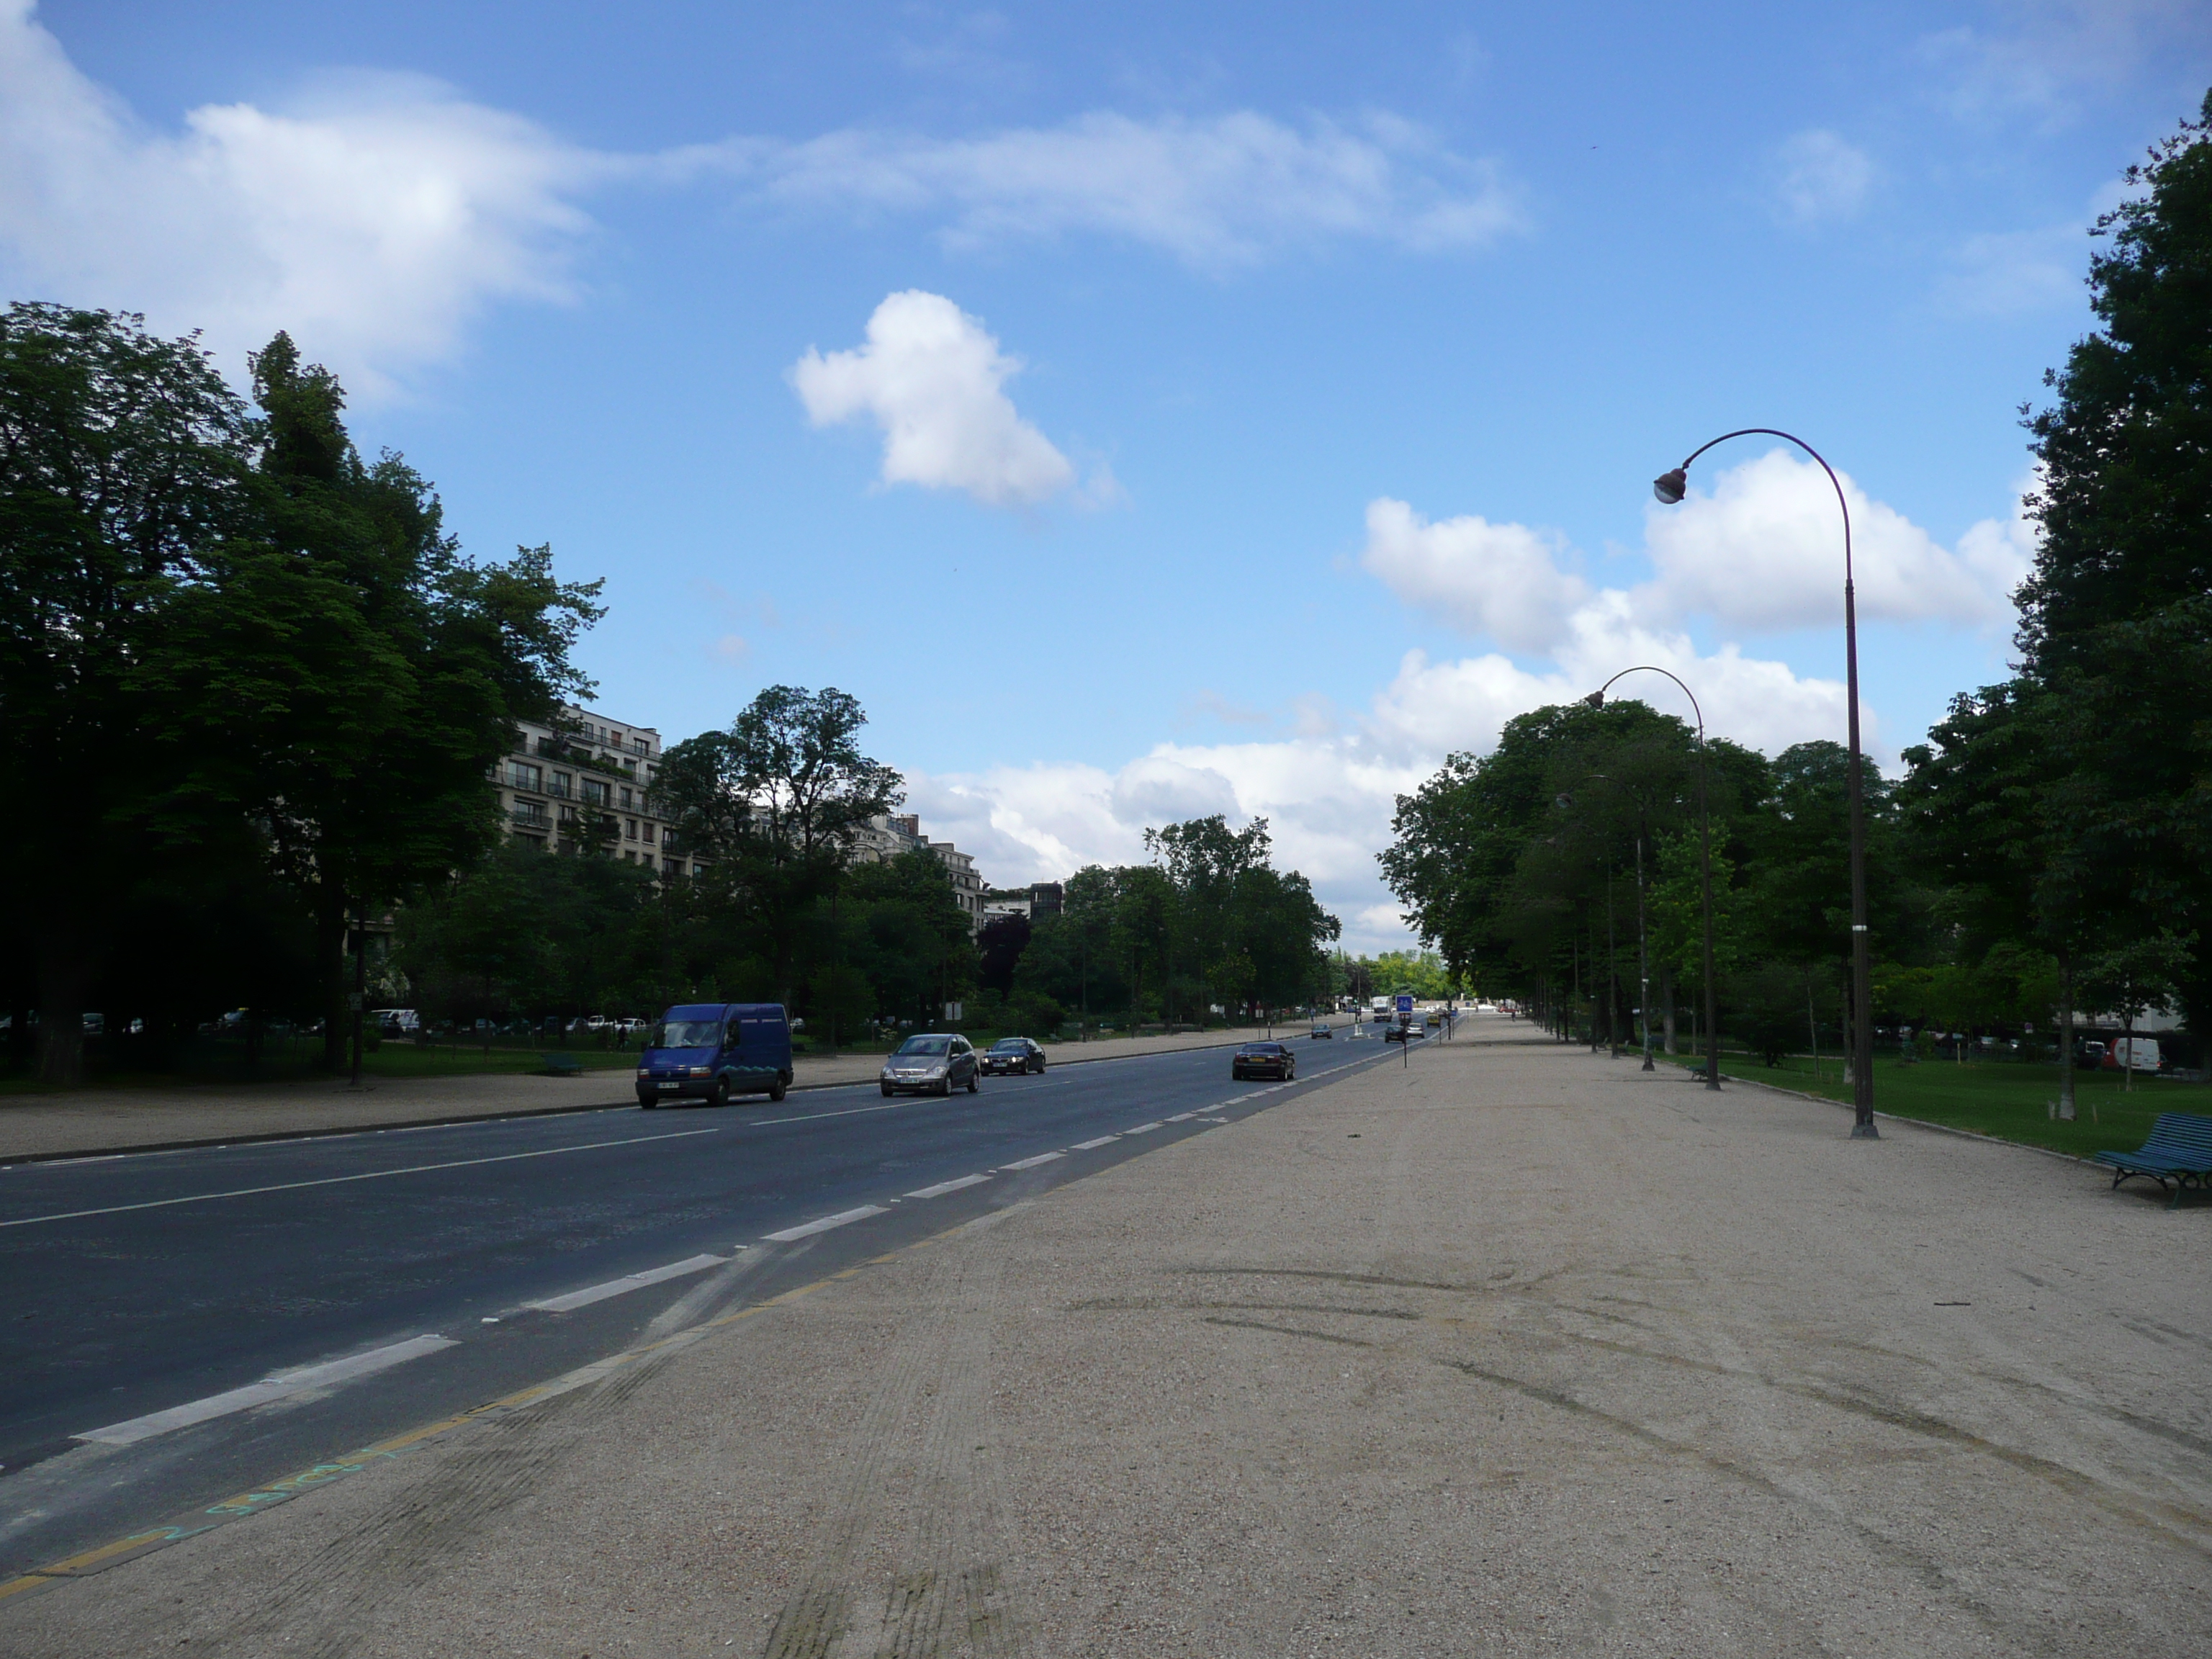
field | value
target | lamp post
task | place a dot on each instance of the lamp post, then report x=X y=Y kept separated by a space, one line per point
x=1670 y=488
x=1596 y=700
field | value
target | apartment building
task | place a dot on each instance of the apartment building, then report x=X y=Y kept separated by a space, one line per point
x=587 y=770
x=887 y=836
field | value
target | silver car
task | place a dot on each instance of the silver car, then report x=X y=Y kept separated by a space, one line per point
x=932 y=1063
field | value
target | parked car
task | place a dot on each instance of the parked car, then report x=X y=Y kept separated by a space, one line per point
x=1262 y=1059
x=1009 y=1055
x=931 y=1062
x=1321 y=1027
x=711 y=1050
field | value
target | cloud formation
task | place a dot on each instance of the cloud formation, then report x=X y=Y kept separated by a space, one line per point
x=1216 y=193
x=374 y=220
x=934 y=380
x=1820 y=178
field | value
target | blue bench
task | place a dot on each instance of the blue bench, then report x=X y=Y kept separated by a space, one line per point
x=562 y=1065
x=2178 y=1152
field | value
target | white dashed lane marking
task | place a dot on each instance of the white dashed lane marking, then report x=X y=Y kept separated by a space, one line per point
x=585 y=1298
x=1032 y=1162
x=1093 y=1145
x=279 y=1387
x=945 y=1187
x=1145 y=1129
x=807 y=1230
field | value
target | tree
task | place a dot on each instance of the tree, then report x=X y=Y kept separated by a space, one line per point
x=2129 y=980
x=344 y=679
x=123 y=465
x=777 y=802
x=2124 y=496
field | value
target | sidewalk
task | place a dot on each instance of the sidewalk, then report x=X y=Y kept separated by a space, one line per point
x=111 y=1120
x=1509 y=1350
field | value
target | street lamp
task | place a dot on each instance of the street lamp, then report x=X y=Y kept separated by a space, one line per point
x=1596 y=700
x=1670 y=488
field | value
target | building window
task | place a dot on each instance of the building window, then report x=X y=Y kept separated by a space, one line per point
x=648 y=832
x=595 y=792
x=520 y=774
x=625 y=799
x=561 y=782
x=645 y=858
x=673 y=867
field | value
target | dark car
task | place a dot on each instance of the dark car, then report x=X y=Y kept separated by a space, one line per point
x=711 y=1050
x=1262 y=1059
x=932 y=1063
x=1323 y=1029
x=1009 y=1055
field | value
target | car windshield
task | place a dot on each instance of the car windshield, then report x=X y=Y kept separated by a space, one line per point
x=1010 y=1046
x=689 y=1034
x=925 y=1045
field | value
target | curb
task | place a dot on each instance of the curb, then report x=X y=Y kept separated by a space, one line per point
x=10 y=1161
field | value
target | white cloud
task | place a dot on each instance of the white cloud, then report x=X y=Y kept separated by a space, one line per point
x=934 y=380
x=1819 y=178
x=1216 y=193
x=1498 y=579
x=373 y=221
x=1764 y=552
x=2040 y=58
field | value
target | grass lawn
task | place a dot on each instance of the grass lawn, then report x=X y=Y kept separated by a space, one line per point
x=1995 y=1097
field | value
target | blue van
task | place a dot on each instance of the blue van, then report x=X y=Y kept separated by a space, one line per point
x=711 y=1050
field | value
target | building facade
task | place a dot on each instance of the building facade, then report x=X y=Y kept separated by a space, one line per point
x=586 y=779
x=889 y=836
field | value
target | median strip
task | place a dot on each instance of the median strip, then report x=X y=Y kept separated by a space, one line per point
x=585 y=1298
x=279 y=1387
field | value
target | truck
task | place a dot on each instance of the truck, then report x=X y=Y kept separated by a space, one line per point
x=1380 y=1005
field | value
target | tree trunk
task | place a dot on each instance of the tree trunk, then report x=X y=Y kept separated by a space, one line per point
x=68 y=955
x=2065 y=1038
x=330 y=952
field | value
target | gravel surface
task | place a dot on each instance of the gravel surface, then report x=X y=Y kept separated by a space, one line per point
x=1513 y=1350
x=108 y=1120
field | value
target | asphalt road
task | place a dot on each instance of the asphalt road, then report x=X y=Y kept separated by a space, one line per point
x=180 y=1326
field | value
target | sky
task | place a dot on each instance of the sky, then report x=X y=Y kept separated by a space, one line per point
x=1151 y=411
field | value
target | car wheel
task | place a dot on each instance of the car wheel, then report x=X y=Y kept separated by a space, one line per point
x=973 y=1083
x=887 y=1091
x=945 y=1088
x=720 y=1094
x=776 y=1089
x=1038 y=1067
x=645 y=1103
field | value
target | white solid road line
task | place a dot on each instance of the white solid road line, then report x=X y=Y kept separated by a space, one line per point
x=825 y=1223
x=585 y=1298
x=945 y=1187
x=279 y=1387
x=1032 y=1162
x=1093 y=1145
x=372 y=1174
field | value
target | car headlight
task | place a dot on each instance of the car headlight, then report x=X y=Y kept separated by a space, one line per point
x=643 y=1071
x=940 y=1068
x=702 y=1071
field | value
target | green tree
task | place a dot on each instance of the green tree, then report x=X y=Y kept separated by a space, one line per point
x=123 y=465
x=777 y=802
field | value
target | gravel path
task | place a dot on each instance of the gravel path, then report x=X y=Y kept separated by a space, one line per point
x=1514 y=1350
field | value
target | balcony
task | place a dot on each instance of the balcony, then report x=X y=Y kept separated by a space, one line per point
x=529 y=817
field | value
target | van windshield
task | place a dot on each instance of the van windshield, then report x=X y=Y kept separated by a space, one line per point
x=690 y=1034
x=925 y=1045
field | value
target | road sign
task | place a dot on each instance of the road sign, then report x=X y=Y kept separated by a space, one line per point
x=1405 y=1005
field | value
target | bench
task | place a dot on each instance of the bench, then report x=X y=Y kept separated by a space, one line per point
x=562 y=1065
x=2179 y=1151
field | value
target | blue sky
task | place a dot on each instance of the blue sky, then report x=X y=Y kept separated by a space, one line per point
x=1148 y=410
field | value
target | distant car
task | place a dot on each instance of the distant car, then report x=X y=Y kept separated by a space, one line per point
x=1262 y=1059
x=1009 y=1055
x=1321 y=1027
x=931 y=1062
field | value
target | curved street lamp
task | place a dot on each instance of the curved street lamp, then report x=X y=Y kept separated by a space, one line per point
x=1596 y=700
x=1670 y=488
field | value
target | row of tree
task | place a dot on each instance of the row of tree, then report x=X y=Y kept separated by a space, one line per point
x=2049 y=847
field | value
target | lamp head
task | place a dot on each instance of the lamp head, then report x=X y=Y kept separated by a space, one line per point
x=1595 y=700
x=1671 y=487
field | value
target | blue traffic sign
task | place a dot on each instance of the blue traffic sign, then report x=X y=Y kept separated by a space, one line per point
x=1405 y=1005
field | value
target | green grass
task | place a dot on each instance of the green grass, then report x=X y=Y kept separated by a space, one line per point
x=2004 y=1098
